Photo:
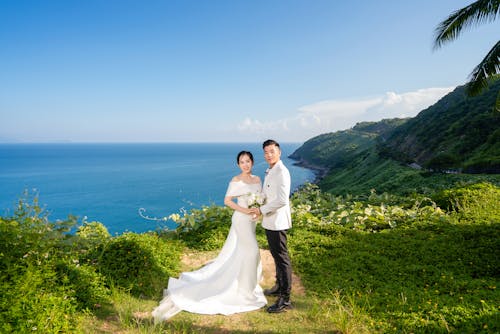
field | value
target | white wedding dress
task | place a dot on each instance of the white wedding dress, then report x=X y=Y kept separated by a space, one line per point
x=230 y=283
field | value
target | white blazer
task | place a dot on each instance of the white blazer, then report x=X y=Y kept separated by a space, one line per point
x=276 y=187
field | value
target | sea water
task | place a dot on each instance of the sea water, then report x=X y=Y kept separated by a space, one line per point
x=110 y=183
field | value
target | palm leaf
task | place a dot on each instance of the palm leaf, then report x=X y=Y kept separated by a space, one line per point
x=487 y=68
x=476 y=13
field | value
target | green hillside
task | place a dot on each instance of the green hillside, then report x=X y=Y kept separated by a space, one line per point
x=369 y=171
x=338 y=149
x=457 y=133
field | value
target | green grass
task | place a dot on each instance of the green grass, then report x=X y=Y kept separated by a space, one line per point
x=429 y=279
x=368 y=171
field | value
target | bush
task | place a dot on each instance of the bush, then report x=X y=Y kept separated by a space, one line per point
x=32 y=300
x=33 y=296
x=476 y=202
x=205 y=228
x=88 y=287
x=313 y=209
x=92 y=234
x=140 y=263
x=443 y=161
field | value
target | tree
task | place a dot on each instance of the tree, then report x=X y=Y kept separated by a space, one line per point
x=476 y=13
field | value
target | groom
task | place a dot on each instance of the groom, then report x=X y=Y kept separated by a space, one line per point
x=276 y=221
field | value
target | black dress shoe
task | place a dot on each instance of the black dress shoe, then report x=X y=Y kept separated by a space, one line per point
x=274 y=291
x=281 y=305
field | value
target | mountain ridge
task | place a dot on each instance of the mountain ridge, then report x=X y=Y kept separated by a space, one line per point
x=457 y=133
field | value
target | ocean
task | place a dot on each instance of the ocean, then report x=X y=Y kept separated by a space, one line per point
x=110 y=183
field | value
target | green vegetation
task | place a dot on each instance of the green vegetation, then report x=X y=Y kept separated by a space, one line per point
x=50 y=278
x=377 y=263
x=426 y=271
x=338 y=149
x=458 y=132
x=368 y=171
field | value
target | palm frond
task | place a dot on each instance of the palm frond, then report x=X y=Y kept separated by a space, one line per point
x=487 y=68
x=476 y=13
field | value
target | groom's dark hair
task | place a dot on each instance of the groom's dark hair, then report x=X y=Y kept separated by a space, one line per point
x=270 y=142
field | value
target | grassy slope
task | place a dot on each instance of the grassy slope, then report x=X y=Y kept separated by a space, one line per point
x=369 y=171
x=338 y=149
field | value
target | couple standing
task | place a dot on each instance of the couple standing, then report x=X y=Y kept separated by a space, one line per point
x=230 y=283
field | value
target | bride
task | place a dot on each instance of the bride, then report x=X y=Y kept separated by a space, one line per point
x=230 y=283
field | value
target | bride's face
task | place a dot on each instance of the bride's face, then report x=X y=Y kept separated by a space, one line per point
x=245 y=164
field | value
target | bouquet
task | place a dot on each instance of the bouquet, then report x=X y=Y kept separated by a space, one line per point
x=256 y=200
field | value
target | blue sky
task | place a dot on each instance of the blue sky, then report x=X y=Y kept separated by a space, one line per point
x=232 y=71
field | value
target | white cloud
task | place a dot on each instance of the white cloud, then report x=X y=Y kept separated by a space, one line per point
x=333 y=115
x=338 y=107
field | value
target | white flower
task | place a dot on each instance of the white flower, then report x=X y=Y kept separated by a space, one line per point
x=175 y=217
x=255 y=200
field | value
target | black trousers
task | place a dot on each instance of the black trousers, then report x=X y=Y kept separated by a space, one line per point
x=277 y=245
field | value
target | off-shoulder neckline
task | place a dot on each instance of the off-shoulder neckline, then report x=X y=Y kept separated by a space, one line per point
x=245 y=182
x=254 y=177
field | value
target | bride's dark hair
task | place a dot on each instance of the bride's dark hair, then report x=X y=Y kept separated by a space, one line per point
x=244 y=153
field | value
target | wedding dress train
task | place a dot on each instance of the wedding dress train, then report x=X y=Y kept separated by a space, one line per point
x=230 y=283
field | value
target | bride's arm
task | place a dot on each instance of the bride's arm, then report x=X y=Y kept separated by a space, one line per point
x=228 y=200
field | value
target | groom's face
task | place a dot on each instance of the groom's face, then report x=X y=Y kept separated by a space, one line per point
x=272 y=154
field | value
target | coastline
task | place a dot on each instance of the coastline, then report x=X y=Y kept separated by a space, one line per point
x=319 y=171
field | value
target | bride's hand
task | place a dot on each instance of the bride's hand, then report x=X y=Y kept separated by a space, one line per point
x=254 y=212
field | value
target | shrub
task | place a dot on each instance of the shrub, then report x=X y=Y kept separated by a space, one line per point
x=88 y=287
x=93 y=234
x=32 y=294
x=140 y=263
x=205 y=228
x=476 y=202
x=312 y=209
x=32 y=300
